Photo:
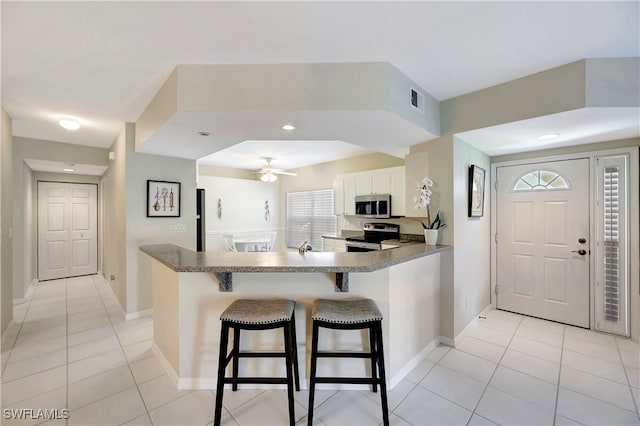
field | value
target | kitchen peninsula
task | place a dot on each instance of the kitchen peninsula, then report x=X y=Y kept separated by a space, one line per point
x=191 y=289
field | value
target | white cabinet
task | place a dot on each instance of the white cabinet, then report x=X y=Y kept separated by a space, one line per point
x=333 y=244
x=338 y=195
x=349 y=191
x=380 y=181
x=398 y=192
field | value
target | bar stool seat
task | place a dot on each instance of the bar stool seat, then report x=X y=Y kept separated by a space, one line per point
x=349 y=315
x=249 y=314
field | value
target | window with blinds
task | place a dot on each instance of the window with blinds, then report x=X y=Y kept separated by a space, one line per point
x=310 y=214
x=611 y=246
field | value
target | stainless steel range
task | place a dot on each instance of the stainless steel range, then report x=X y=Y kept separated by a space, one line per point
x=374 y=233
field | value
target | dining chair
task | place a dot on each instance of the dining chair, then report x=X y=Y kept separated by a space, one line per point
x=271 y=235
x=229 y=245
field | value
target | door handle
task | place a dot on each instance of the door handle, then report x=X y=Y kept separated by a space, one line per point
x=581 y=252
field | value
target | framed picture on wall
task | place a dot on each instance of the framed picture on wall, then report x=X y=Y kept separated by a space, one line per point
x=476 y=191
x=163 y=198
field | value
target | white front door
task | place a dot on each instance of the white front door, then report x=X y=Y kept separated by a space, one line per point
x=542 y=244
x=67 y=230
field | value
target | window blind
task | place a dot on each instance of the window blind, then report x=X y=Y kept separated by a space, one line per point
x=612 y=278
x=310 y=214
x=611 y=243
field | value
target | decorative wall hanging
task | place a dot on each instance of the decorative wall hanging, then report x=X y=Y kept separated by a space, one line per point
x=220 y=208
x=476 y=191
x=267 y=213
x=163 y=198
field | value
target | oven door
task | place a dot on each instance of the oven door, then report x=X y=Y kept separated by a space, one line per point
x=360 y=247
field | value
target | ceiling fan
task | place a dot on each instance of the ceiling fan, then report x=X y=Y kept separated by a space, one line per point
x=269 y=174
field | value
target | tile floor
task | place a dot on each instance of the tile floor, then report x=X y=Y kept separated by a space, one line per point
x=71 y=349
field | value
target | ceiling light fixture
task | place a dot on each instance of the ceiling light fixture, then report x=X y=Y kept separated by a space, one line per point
x=288 y=127
x=268 y=177
x=548 y=136
x=204 y=133
x=69 y=124
x=69 y=170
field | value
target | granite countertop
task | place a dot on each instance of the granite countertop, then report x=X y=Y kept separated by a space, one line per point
x=183 y=260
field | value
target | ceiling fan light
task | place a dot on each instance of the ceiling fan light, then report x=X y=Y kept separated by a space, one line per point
x=268 y=177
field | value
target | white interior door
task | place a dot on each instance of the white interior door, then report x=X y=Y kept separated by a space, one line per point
x=543 y=240
x=67 y=230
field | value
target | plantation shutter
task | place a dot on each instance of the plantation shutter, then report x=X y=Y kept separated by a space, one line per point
x=310 y=214
x=611 y=246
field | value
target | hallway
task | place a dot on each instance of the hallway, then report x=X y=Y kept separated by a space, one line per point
x=71 y=348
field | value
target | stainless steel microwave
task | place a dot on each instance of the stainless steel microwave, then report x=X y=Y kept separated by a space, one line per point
x=377 y=206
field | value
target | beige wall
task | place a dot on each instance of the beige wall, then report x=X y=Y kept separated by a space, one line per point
x=472 y=236
x=6 y=213
x=126 y=224
x=115 y=224
x=142 y=230
x=547 y=92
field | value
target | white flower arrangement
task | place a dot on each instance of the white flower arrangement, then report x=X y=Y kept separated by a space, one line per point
x=423 y=201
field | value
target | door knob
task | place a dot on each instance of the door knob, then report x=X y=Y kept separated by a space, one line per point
x=581 y=252
x=582 y=240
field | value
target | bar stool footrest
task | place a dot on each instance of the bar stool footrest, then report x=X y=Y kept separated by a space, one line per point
x=260 y=380
x=344 y=355
x=348 y=380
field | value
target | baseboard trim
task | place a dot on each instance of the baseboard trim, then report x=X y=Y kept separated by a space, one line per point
x=139 y=314
x=166 y=365
x=464 y=333
x=4 y=341
x=413 y=363
x=27 y=294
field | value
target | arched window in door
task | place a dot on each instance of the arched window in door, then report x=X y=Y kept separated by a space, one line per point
x=540 y=180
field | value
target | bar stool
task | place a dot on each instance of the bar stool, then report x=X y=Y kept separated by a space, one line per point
x=245 y=314
x=349 y=315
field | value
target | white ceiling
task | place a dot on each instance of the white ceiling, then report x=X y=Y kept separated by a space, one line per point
x=284 y=154
x=58 y=167
x=102 y=62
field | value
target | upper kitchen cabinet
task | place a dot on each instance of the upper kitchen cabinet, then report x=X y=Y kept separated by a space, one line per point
x=381 y=181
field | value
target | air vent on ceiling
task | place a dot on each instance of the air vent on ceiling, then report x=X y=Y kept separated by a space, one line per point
x=417 y=99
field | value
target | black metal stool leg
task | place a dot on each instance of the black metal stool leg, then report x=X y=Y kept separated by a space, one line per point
x=288 y=361
x=236 y=356
x=383 y=377
x=312 y=376
x=222 y=365
x=294 y=349
x=374 y=358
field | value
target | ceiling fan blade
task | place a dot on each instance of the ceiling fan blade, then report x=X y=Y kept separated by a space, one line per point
x=282 y=172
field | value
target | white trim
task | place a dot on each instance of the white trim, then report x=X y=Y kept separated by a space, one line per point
x=28 y=294
x=6 y=336
x=193 y=383
x=139 y=314
x=463 y=334
x=413 y=363
x=166 y=365
x=634 y=220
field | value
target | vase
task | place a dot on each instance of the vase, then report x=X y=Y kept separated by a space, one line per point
x=431 y=237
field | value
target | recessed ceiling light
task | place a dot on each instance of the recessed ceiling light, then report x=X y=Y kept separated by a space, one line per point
x=69 y=124
x=68 y=170
x=288 y=127
x=548 y=136
x=203 y=133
